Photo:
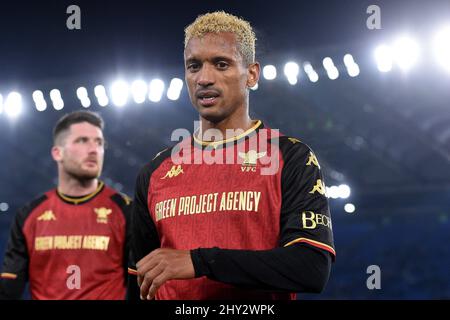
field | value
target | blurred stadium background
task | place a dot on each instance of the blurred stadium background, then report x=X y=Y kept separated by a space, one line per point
x=378 y=119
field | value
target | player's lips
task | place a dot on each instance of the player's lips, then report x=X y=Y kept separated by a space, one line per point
x=91 y=162
x=207 y=98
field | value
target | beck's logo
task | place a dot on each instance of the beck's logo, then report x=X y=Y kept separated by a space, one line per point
x=102 y=214
x=173 y=172
x=250 y=160
x=311 y=220
x=48 y=215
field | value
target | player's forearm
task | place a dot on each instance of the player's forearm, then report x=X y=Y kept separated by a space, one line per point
x=296 y=268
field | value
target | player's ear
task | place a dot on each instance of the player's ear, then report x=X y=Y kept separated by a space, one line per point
x=57 y=153
x=253 y=71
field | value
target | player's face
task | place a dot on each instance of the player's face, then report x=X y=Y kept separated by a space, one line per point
x=216 y=76
x=82 y=152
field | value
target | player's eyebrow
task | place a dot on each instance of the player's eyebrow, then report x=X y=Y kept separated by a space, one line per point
x=222 y=58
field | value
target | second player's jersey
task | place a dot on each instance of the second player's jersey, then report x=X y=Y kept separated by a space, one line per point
x=258 y=191
x=70 y=248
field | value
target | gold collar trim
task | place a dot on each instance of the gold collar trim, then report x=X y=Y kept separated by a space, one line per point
x=216 y=143
x=82 y=199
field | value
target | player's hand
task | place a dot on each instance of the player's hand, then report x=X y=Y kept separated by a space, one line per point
x=160 y=266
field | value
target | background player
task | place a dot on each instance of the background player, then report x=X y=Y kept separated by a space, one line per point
x=71 y=242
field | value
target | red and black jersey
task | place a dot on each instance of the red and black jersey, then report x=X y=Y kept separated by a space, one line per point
x=228 y=200
x=69 y=248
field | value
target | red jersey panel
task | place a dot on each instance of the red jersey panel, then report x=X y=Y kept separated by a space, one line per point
x=236 y=194
x=75 y=247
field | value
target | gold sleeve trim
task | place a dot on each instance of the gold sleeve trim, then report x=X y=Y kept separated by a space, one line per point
x=7 y=275
x=313 y=243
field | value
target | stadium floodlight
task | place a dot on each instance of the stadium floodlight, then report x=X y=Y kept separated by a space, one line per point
x=331 y=69
x=351 y=65
x=175 y=87
x=156 y=90
x=291 y=71
x=13 y=104
x=384 y=58
x=269 y=72
x=86 y=102
x=333 y=192
x=328 y=63
x=406 y=52
x=39 y=100
x=307 y=67
x=119 y=93
x=1 y=104
x=310 y=72
x=4 y=206
x=139 y=91
x=333 y=73
x=344 y=191
x=441 y=46
x=58 y=104
x=55 y=96
x=102 y=97
x=255 y=87
x=313 y=76
x=349 y=208
x=82 y=93
x=353 y=70
x=348 y=60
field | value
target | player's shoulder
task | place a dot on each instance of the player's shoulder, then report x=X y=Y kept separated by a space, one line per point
x=25 y=211
x=291 y=144
x=118 y=197
x=121 y=199
x=148 y=168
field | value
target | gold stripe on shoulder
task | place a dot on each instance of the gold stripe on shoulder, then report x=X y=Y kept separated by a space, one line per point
x=293 y=140
x=159 y=153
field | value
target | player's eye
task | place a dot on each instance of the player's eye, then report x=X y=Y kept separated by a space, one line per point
x=193 y=66
x=82 y=140
x=222 y=65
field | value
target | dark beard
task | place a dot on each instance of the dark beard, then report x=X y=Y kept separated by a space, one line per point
x=83 y=178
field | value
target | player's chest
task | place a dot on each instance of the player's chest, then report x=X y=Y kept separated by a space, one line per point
x=57 y=218
x=180 y=192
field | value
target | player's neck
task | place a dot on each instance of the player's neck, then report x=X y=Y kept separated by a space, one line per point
x=73 y=187
x=232 y=123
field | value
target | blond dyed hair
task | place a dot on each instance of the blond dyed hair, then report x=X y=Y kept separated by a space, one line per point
x=220 y=21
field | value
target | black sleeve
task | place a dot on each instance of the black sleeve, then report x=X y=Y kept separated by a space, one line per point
x=305 y=213
x=302 y=262
x=125 y=205
x=144 y=237
x=295 y=268
x=15 y=263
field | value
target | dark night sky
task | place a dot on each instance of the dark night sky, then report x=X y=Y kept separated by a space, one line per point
x=138 y=36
